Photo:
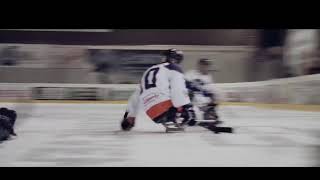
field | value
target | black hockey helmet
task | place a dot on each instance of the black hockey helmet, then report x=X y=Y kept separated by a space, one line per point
x=173 y=54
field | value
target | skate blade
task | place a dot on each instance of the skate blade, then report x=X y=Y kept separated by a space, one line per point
x=174 y=130
x=218 y=129
x=208 y=121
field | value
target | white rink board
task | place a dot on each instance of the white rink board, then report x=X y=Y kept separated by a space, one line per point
x=296 y=90
x=87 y=135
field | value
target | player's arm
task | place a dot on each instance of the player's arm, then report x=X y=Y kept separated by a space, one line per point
x=193 y=86
x=179 y=94
x=129 y=117
x=133 y=103
x=178 y=90
x=210 y=92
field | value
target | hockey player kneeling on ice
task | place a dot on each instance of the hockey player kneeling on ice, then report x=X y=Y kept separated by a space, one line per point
x=162 y=95
x=201 y=95
x=7 y=121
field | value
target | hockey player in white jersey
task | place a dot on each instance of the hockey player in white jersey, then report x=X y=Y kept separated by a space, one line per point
x=162 y=94
x=202 y=96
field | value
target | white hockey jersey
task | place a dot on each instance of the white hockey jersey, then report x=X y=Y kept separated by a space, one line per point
x=200 y=79
x=162 y=86
x=199 y=84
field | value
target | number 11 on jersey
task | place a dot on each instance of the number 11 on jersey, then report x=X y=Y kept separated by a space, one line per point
x=151 y=78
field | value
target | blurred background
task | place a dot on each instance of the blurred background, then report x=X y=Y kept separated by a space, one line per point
x=120 y=56
x=268 y=69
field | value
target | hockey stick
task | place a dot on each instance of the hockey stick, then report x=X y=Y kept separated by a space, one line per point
x=217 y=129
x=210 y=125
x=208 y=121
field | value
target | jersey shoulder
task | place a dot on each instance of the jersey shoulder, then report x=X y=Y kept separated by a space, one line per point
x=174 y=67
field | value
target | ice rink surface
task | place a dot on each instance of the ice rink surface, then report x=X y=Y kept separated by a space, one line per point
x=88 y=135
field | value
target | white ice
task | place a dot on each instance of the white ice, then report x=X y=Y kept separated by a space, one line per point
x=88 y=135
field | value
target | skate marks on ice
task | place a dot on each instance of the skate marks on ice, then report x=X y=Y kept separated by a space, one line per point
x=276 y=125
x=67 y=135
x=88 y=135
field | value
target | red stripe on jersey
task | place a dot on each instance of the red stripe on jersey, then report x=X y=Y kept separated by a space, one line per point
x=159 y=109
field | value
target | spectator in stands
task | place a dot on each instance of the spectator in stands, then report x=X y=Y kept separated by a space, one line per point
x=101 y=60
x=267 y=61
x=315 y=66
x=315 y=69
x=9 y=56
x=302 y=51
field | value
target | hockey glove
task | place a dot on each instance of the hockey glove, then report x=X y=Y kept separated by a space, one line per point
x=127 y=122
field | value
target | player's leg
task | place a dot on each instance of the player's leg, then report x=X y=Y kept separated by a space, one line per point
x=206 y=109
x=4 y=134
x=168 y=116
x=169 y=120
x=7 y=121
x=210 y=112
x=13 y=117
x=174 y=119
